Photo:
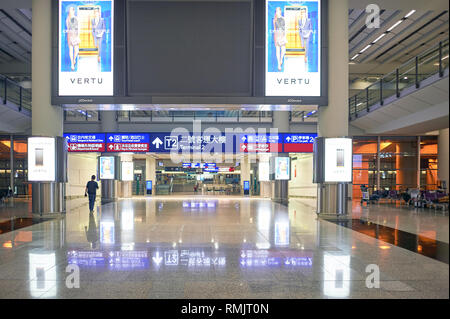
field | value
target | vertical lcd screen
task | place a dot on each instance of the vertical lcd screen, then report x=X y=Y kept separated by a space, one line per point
x=86 y=42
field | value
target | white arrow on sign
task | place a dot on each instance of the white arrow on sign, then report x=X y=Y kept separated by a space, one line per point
x=157 y=142
x=111 y=138
x=243 y=138
x=157 y=259
x=111 y=147
x=243 y=147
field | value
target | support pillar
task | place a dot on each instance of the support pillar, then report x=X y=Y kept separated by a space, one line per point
x=245 y=172
x=126 y=186
x=333 y=119
x=11 y=163
x=280 y=192
x=108 y=120
x=150 y=172
x=47 y=119
x=443 y=140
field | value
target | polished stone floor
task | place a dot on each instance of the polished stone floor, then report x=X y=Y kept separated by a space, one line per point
x=216 y=247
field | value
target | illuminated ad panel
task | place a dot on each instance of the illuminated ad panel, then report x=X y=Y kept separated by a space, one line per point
x=107 y=168
x=41 y=159
x=338 y=160
x=293 y=48
x=282 y=168
x=85 y=48
x=127 y=171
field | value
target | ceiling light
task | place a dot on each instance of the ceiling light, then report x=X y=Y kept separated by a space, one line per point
x=410 y=13
x=396 y=24
x=356 y=55
x=374 y=41
x=368 y=46
x=446 y=57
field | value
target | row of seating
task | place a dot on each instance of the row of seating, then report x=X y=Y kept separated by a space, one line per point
x=411 y=197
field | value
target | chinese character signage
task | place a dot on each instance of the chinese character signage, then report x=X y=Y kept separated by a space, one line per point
x=88 y=142
x=293 y=48
x=86 y=40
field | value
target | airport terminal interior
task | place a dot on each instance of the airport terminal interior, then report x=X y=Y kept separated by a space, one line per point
x=249 y=149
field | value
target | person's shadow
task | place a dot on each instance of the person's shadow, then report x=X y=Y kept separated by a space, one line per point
x=91 y=232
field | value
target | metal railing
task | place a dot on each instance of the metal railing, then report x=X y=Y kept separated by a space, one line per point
x=11 y=91
x=411 y=73
x=188 y=116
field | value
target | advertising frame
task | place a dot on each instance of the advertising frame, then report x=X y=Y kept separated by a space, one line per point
x=122 y=100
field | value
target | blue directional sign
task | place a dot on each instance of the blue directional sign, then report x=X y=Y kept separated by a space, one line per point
x=128 y=138
x=166 y=142
x=85 y=137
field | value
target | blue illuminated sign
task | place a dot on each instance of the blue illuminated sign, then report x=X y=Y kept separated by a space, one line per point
x=299 y=138
x=165 y=142
x=128 y=138
x=148 y=185
x=246 y=185
x=85 y=137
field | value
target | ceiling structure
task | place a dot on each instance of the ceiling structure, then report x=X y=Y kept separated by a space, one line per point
x=373 y=52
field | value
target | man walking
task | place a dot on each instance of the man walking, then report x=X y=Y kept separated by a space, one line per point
x=91 y=191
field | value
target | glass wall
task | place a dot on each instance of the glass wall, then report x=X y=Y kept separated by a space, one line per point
x=20 y=168
x=364 y=163
x=428 y=162
x=396 y=165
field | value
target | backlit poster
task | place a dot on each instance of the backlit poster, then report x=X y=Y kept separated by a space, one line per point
x=41 y=159
x=282 y=168
x=86 y=48
x=127 y=171
x=107 y=167
x=293 y=48
x=264 y=171
x=338 y=160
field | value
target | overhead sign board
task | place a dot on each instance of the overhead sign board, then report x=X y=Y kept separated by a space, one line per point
x=88 y=142
x=133 y=142
x=166 y=142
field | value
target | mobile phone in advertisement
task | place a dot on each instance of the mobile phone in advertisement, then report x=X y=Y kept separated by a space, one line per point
x=340 y=157
x=39 y=157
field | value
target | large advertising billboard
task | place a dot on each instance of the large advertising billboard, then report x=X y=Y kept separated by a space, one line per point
x=293 y=48
x=282 y=168
x=41 y=159
x=86 y=48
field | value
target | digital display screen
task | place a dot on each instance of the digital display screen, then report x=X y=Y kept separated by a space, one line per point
x=264 y=171
x=293 y=51
x=86 y=39
x=41 y=159
x=282 y=168
x=107 y=169
x=127 y=171
x=246 y=185
x=338 y=160
x=148 y=185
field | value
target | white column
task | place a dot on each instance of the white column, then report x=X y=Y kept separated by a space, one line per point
x=126 y=186
x=443 y=140
x=150 y=172
x=245 y=171
x=333 y=119
x=46 y=119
